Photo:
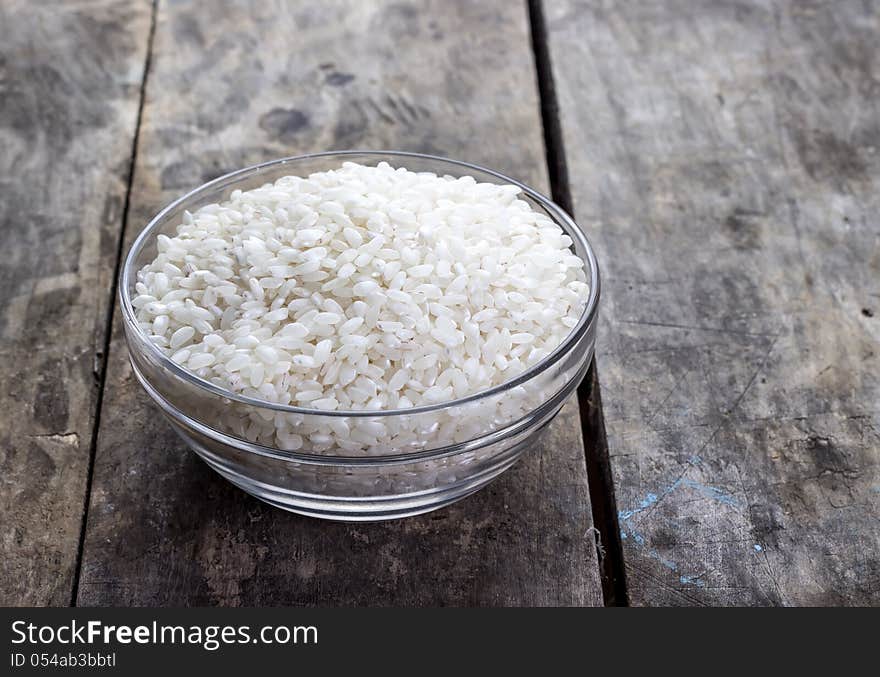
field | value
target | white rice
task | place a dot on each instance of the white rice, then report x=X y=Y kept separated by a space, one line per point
x=362 y=288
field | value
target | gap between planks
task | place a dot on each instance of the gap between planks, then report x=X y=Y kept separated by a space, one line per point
x=601 y=484
x=111 y=306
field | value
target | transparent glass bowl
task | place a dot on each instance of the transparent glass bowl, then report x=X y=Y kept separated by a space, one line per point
x=425 y=473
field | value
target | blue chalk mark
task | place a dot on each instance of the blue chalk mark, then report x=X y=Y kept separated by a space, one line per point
x=706 y=490
x=651 y=499
x=758 y=548
x=668 y=563
x=640 y=539
x=692 y=580
x=635 y=535
x=714 y=493
x=648 y=501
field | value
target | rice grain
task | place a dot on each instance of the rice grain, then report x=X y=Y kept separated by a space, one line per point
x=363 y=288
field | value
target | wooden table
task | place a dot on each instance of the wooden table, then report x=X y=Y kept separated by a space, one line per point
x=724 y=157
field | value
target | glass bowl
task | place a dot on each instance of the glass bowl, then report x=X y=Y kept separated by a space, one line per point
x=439 y=453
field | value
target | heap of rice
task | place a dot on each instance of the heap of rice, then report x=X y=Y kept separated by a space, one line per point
x=362 y=288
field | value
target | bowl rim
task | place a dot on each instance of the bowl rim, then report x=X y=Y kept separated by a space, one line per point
x=555 y=211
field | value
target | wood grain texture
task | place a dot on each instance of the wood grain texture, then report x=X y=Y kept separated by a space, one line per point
x=253 y=81
x=725 y=157
x=70 y=80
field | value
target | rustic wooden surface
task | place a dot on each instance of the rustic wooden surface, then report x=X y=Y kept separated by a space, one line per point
x=723 y=156
x=67 y=119
x=252 y=81
x=726 y=158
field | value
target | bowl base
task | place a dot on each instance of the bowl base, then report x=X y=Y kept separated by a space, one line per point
x=379 y=509
x=373 y=517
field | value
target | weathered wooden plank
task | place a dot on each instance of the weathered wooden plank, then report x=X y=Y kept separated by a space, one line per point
x=725 y=155
x=267 y=81
x=70 y=81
